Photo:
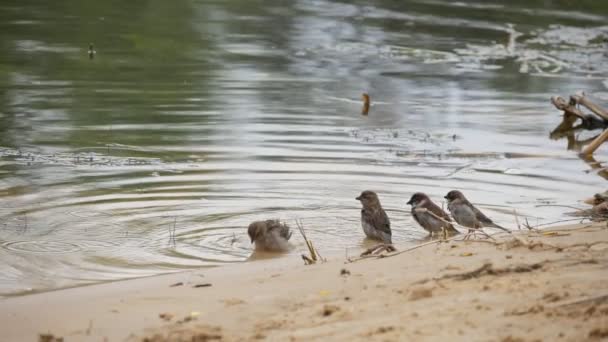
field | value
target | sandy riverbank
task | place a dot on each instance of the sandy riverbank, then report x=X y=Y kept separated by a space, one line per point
x=544 y=286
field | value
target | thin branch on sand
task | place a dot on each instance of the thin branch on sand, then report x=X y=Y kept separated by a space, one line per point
x=377 y=256
x=314 y=254
x=488 y=269
x=581 y=219
x=594 y=299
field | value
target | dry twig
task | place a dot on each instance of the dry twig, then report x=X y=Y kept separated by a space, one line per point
x=584 y=101
x=488 y=269
x=350 y=260
x=571 y=113
x=314 y=254
x=599 y=140
x=594 y=299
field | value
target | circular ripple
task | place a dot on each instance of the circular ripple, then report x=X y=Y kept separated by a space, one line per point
x=215 y=243
x=42 y=247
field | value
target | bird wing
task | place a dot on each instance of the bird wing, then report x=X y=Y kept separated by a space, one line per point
x=485 y=221
x=416 y=216
x=434 y=208
x=381 y=222
x=285 y=232
x=281 y=228
x=464 y=215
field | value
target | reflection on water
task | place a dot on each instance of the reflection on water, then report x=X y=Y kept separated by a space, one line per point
x=196 y=118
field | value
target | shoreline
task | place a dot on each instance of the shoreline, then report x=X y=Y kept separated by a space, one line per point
x=521 y=288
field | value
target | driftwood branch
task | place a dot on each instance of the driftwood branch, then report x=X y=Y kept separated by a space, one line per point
x=589 y=149
x=584 y=101
x=571 y=113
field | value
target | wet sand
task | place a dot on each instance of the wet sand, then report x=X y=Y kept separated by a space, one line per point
x=548 y=285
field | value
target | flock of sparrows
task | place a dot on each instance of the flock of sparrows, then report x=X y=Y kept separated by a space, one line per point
x=272 y=235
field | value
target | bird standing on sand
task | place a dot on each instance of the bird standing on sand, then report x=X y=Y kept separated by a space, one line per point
x=270 y=235
x=374 y=220
x=430 y=219
x=466 y=214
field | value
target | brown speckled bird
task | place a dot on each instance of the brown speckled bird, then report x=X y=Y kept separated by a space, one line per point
x=270 y=235
x=374 y=220
x=425 y=219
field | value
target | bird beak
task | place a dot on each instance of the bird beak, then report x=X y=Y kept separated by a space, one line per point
x=409 y=202
x=358 y=198
x=446 y=196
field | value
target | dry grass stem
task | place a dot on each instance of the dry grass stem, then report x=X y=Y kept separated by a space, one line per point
x=314 y=254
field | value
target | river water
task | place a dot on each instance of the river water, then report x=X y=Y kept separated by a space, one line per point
x=195 y=118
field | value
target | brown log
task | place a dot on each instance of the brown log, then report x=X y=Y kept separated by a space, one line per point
x=565 y=128
x=571 y=112
x=568 y=108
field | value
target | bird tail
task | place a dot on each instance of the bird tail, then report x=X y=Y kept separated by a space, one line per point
x=494 y=225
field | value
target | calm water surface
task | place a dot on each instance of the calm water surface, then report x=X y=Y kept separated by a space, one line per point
x=199 y=117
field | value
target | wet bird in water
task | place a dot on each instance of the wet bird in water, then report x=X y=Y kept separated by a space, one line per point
x=425 y=219
x=466 y=214
x=270 y=235
x=92 y=51
x=374 y=220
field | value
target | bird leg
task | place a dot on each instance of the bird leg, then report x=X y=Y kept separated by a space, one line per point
x=377 y=249
x=474 y=233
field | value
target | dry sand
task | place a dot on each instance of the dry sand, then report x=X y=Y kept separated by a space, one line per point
x=549 y=286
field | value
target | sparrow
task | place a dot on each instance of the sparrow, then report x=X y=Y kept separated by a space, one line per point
x=466 y=214
x=374 y=220
x=270 y=235
x=425 y=219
